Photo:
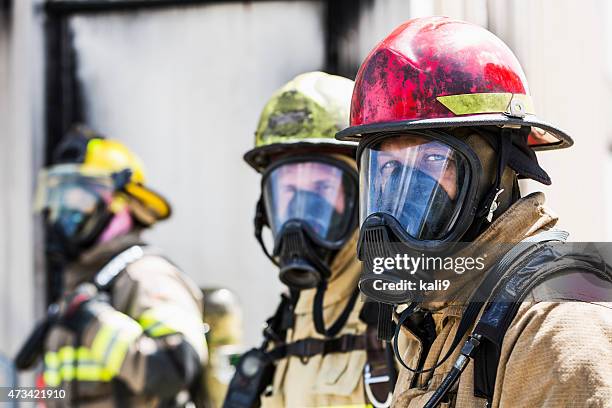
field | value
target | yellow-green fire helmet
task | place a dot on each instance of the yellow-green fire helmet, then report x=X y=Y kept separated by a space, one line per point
x=304 y=114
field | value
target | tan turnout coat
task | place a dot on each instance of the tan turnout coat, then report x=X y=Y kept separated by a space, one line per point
x=336 y=378
x=555 y=354
x=158 y=311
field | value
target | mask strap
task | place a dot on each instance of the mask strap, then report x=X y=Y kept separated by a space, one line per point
x=260 y=221
x=319 y=322
x=489 y=204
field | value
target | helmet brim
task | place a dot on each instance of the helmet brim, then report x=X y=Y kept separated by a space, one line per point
x=156 y=204
x=544 y=136
x=260 y=157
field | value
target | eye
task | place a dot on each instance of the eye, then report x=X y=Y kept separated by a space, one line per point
x=389 y=166
x=323 y=187
x=288 y=188
x=432 y=158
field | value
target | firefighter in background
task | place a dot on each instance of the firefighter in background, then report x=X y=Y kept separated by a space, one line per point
x=318 y=341
x=446 y=126
x=130 y=329
x=224 y=336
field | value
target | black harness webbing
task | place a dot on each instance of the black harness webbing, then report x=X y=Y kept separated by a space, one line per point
x=543 y=264
x=474 y=306
x=533 y=262
x=309 y=347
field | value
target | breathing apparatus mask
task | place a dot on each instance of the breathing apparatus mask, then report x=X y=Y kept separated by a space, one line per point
x=77 y=204
x=423 y=192
x=309 y=204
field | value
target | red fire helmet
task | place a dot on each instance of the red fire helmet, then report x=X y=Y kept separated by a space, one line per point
x=436 y=72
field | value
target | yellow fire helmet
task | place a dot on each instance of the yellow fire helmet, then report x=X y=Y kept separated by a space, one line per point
x=93 y=154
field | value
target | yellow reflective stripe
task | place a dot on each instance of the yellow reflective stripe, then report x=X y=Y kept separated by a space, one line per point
x=66 y=354
x=470 y=104
x=147 y=320
x=52 y=378
x=93 y=372
x=67 y=372
x=164 y=320
x=115 y=358
x=51 y=374
x=346 y=406
x=52 y=360
x=101 y=342
x=161 y=330
x=61 y=366
x=112 y=341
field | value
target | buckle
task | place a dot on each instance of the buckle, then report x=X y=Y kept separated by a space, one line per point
x=301 y=348
x=304 y=349
x=271 y=334
x=368 y=379
x=347 y=343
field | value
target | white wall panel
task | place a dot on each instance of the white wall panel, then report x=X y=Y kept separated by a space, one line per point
x=563 y=49
x=184 y=89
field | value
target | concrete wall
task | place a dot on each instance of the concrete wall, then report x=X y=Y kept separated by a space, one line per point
x=20 y=148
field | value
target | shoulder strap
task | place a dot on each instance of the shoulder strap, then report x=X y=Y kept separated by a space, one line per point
x=108 y=274
x=545 y=262
x=317 y=312
x=489 y=284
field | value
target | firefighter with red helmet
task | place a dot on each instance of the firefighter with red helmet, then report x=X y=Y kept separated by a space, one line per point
x=446 y=127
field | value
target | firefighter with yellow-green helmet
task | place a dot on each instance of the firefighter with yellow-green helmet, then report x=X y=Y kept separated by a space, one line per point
x=127 y=329
x=318 y=349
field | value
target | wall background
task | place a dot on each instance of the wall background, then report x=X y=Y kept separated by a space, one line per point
x=184 y=87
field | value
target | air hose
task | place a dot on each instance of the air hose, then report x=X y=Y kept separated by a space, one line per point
x=467 y=351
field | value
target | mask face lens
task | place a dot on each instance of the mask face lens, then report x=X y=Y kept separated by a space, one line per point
x=70 y=199
x=320 y=194
x=419 y=181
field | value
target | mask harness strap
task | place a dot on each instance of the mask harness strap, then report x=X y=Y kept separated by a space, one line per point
x=319 y=322
x=489 y=204
x=260 y=221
